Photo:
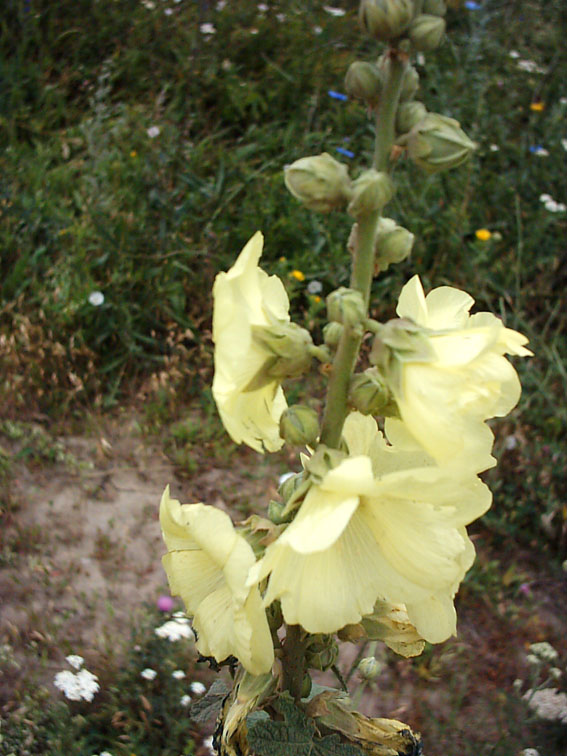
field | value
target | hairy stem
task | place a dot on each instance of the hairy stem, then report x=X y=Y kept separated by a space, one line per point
x=363 y=263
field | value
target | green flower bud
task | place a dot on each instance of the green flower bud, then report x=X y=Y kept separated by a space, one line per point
x=385 y=19
x=322 y=652
x=369 y=668
x=299 y=425
x=290 y=486
x=364 y=82
x=369 y=393
x=274 y=615
x=289 y=345
x=346 y=306
x=409 y=115
x=306 y=686
x=371 y=191
x=392 y=243
x=320 y=182
x=275 y=511
x=434 y=7
x=332 y=333
x=438 y=143
x=426 y=32
x=410 y=83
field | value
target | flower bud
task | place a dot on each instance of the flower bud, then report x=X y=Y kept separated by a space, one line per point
x=409 y=115
x=320 y=182
x=299 y=425
x=426 y=32
x=438 y=143
x=392 y=243
x=346 y=306
x=434 y=7
x=385 y=19
x=275 y=511
x=322 y=652
x=371 y=191
x=288 y=345
x=369 y=668
x=332 y=333
x=290 y=485
x=410 y=83
x=364 y=82
x=368 y=392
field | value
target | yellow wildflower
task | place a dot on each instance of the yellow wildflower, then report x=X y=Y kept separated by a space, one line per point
x=207 y=565
x=380 y=525
x=537 y=107
x=245 y=297
x=133 y=154
x=298 y=275
x=483 y=234
x=456 y=378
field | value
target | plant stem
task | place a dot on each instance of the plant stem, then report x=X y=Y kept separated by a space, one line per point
x=294 y=660
x=363 y=264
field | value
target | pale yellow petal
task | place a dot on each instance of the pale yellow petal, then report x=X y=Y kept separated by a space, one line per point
x=411 y=302
x=435 y=618
x=447 y=308
x=193 y=575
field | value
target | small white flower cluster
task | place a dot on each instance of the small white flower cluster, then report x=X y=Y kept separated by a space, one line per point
x=148 y=674
x=314 y=287
x=197 y=688
x=544 y=651
x=550 y=204
x=77 y=686
x=207 y=29
x=548 y=703
x=175 y=629
x=334 y=11
x=530 y=66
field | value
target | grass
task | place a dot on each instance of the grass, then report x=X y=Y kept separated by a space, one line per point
x=89 y=201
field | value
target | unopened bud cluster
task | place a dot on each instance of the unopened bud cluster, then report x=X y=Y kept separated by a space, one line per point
x=393 y=20
x=320 y=182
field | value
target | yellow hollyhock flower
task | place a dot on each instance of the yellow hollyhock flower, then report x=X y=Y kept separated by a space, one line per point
x=207 y=564
x=445 y=392
x=244 y=297
x=381 y=525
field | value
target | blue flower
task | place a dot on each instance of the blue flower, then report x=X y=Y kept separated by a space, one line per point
x=345 y=152
x=471 y=5
x=337 y=95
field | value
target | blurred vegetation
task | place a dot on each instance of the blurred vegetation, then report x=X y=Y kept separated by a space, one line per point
x=91 y=202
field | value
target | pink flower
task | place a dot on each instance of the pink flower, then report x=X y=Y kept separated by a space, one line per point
x=165 y=603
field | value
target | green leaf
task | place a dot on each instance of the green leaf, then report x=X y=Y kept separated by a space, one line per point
x=296 y=735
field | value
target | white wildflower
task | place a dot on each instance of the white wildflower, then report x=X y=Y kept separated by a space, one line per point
x=179 y=674
x=314 y=287
x=548 y=703
x=533 y=660
x=510 y=442
x=197 y=688
x=541 y=151
x=544 y=651
x=514 y=54
x=221 y=5
x=494 y=148
x=207 y=29
x=153 y=132
x=148 y=4
x=334 y=11
x=185 y=700
x=96 y=298
x=148 y=674
x=281 y=17
x=174 y=630
x=529 y=752
x=563 y=100
x=530 y=66
x=168 y=11
x=564 y=144
x=77 y=687
x=317 y=30
x=263 y=8
x=75 y=661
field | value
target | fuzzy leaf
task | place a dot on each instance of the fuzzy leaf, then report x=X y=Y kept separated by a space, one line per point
x=295 y=735
x=209 y=706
